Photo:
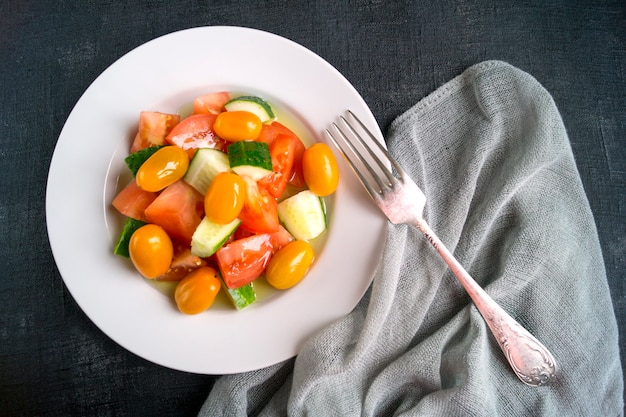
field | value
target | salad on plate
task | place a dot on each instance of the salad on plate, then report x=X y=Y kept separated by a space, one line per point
x=221 y=198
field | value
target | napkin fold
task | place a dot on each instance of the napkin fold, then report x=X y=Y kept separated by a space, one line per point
x=491 y=153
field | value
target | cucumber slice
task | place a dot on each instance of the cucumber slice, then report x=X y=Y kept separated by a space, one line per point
x=254 y=105
x=136 y=159
x=209 y=237
x=241 y=297
x=121 y=248
x=204 y=166
x=251 y=159
x=303 y=215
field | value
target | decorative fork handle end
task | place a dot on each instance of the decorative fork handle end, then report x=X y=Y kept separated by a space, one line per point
x=531 y=361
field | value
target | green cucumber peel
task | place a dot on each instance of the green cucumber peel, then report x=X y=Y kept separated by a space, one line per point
x=121 y=247
x=243 y=102
x=135 y=160
x=249 y=153
x=241 y=297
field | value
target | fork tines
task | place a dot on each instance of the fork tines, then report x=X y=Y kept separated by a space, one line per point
x=364 y=154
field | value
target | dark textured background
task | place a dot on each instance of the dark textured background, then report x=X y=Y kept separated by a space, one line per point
x=53 y=360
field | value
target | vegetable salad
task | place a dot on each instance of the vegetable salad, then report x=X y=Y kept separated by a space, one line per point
x=221 y=198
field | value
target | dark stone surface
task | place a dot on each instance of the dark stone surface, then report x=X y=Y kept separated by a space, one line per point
x=53 y=359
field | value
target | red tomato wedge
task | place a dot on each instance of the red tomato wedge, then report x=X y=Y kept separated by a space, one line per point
x=270 y=132
x=260 y=210
x=277 y=239
x=244 y=260
x=153 y=128
x=297 y=174
x=132 y=201
x=182 y=264
x=178 y=209
x=280 y=239
x=196 y=131
x=211 y=103
x=283 y=152
x=240 y=233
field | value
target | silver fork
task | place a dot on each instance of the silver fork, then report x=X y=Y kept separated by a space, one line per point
x=402 y=201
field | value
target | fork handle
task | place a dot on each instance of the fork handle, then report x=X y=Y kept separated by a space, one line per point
x=530 y=359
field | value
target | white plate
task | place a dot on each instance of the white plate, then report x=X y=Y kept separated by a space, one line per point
x=87 y=170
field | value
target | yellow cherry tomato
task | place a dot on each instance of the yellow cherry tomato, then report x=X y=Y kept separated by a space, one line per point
x=319 y=166
x=289 y=265
x=197 y=291
x=235 y=126
x=151 y=250
x=224 y=199
x=164 y=167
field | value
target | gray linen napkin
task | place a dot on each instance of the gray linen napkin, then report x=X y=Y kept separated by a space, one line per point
x=491 y=153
